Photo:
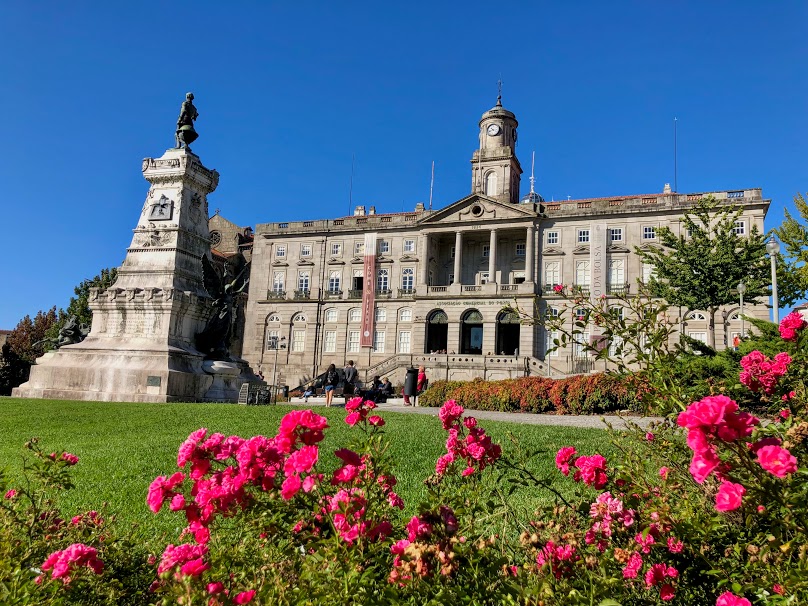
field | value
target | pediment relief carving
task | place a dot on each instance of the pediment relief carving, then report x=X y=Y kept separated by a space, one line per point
x=553 y=252
x=280 y=264
x=616 y=248
x=304 y=262
x=581 y=249
x=336 y=262
x=408 y=258
x=477 y=207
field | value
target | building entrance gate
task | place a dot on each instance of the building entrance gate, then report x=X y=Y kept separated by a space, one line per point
x=437 y=332
x=508 y=333
x=471 y=333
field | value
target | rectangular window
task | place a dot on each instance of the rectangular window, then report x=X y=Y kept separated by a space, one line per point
x=484 y=277
x=649 y=232
x=616 y=234
x=582 y=273
x=552 y=337
x=384 y=247
x=334 y=280
x=698 y=336
x=583 y=236
x=331 y=315
x=452 y=252
x=552 y=237
x=305 y=250
x=581 y=341
x=330 y=341
x=298 y=340
x=580 y=314
x=383 y=280
x=647 y=272
x=615 y=344
x=408 y=278
x=336 y=249
x=406 y=315
x=381 y=314
x=486 y=250
x=552 y=273
x=404 y=341
x=353 y=341
x=451 y=278
x=740 y=228
x=278 y=282
x=378 y=341
x=355 y=315
x=359 y=248
x=280 y=250
x=430 y=278
x=409 y=246
x=617 y=272
x=272 y=339
x=303 y=281
x=520 y=249
x=518 y=277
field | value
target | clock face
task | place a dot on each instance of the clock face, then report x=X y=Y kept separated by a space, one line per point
x=493 y=130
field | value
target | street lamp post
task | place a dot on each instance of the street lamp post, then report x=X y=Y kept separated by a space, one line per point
x=741 y=291
x=276 y=344
x=773 y=247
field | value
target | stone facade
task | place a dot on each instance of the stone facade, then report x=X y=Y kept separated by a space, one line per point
x=445 y=278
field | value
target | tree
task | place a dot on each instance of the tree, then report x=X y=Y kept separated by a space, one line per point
x=25 y=336
x=701 y=268
x=792 y=267
x=79 y=305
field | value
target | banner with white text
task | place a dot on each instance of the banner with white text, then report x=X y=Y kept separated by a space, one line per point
x=369 y=292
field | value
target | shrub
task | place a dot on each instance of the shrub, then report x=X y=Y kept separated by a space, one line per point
x=582 y=394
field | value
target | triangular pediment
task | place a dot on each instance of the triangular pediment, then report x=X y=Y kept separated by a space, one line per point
x=552 y=251
x=476 y=208
x=616 y=248
x=581 y=249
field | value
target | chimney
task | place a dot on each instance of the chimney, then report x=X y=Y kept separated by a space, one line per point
x=372 y=210
x=667 y=188
x=359 y=212
x=419 y=207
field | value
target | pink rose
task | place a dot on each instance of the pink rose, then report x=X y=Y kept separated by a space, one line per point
x=790 y=325
x=563 y=458
x=663 y=473
x=558 y=287
x=376 y=421
x=730 y=599
x=729 y=496
x=11 y=493
x=777 y=461
x=291 y=486
x=245 y=597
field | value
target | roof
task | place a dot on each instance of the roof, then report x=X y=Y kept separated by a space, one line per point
x=5 y=332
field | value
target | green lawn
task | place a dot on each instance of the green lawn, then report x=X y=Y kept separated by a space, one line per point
x=123 y=447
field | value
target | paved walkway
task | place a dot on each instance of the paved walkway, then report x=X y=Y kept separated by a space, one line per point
x=588 y=421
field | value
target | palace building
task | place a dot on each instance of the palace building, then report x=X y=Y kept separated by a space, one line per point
x=436 y=287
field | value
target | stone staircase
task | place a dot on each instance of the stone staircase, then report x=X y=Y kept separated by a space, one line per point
x=459 y=367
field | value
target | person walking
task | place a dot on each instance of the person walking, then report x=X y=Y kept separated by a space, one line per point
x=331 y=382
x=351 y=375
x=420 y=386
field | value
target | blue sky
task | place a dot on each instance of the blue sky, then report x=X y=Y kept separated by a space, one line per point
x=287 y=92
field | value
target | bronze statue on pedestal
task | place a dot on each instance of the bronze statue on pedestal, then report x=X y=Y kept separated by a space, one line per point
x=186 y=134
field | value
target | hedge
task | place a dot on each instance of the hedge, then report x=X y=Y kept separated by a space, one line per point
x=581 y=394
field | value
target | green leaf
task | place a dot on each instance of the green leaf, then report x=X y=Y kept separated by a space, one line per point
x=609 y=602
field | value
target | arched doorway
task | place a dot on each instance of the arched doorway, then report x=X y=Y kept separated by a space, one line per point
x=471 y=332
x=508 y=327
x=437 y=331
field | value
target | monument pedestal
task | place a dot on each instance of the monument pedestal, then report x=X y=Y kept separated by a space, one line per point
x=141 y=347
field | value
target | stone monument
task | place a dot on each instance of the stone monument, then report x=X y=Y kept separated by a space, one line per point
x=142 y=345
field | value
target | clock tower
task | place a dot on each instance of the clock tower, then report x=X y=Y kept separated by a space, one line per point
x=495 y=169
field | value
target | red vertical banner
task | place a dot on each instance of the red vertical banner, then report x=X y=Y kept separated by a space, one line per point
x=369 y=292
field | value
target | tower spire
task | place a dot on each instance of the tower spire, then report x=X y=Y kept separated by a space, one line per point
x=532 y=177
x=499 y=91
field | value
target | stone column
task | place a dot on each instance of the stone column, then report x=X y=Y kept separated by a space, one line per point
x=530 y=262
x=424 y=254
x=458 y=257
x=492 y=258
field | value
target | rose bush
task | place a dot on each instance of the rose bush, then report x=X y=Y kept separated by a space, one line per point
x=708 y=507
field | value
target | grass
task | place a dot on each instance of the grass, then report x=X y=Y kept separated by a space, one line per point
x=123 y=447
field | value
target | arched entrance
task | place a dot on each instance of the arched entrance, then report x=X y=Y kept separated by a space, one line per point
x=508 y=332
x=471 y=332
x=437 y=331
